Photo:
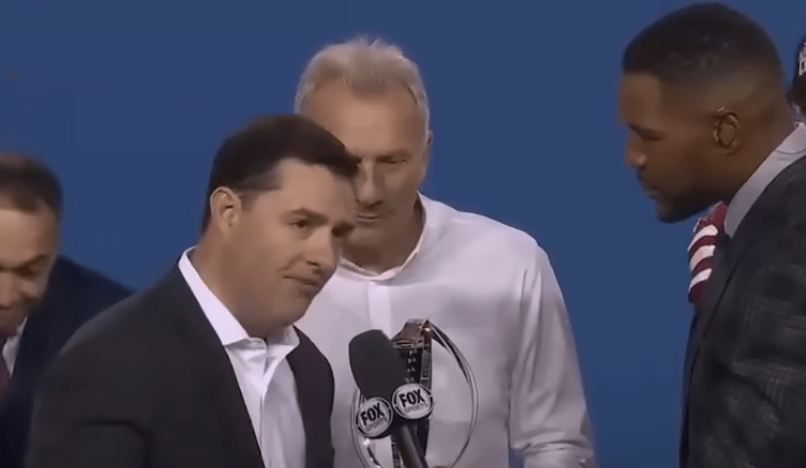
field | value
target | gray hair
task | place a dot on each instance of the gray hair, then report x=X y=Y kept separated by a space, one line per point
x=366 y=67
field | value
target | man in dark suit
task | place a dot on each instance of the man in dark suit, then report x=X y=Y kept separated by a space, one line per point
x=703 y=95
x=205 y=369
x=44 y=297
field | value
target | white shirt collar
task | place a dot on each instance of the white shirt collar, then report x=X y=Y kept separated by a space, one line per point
x=226 y=326
x=789 y=151
x=431 y=222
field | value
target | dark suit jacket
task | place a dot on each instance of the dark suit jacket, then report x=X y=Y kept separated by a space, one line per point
x=74 y=295
x=747 y=390
x=147 y=384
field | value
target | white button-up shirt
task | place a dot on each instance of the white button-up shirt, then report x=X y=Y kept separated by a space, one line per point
x=264 y=376
x=491 y=289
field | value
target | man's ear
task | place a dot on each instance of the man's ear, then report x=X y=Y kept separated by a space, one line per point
x=429 y=139
x=225 y=208
x=727 y=129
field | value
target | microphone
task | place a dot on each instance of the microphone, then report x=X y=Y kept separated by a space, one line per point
x=382 y=378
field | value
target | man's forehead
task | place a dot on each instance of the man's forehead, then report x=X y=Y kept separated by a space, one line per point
x=640 y=91
x=25 y=235
x=297 y=180
x=389 y=114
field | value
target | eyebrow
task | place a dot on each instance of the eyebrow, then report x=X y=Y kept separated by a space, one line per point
x=316 y=217
x=399 y=153
x=643 y=130
x=319 y=218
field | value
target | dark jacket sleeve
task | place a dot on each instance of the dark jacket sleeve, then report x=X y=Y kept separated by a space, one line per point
x=83 y=416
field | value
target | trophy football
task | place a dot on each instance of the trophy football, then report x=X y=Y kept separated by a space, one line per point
x=414 y=343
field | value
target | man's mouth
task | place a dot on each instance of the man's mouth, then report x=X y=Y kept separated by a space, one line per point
x=308 y=281
x=310 y=286
x=648 y=191
x=367 y=219
x=651 y=193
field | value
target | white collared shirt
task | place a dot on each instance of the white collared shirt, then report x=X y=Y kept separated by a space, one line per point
x=264 y=376
x=491 y=289
x=12 y=347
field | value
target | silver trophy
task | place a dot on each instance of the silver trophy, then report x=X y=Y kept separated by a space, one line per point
x=414 y=345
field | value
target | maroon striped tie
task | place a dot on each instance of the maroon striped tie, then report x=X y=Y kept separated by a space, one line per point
x=701 y=249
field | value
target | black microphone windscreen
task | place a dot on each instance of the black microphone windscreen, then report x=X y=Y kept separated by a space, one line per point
x=376 y=364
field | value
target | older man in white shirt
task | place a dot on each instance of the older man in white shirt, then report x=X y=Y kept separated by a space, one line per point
x=488 y=286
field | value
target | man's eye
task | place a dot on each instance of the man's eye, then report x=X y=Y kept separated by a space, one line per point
x=28 y=273
x=302 y=224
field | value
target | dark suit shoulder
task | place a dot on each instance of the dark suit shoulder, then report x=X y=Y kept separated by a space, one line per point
x=109 y=358
x=89 y=291
x=93 y=281
x=790 y=206
x=129 y=319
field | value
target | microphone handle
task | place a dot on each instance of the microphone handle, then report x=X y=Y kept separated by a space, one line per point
x=410 y=450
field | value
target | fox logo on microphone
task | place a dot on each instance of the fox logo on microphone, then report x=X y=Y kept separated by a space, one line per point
x=374 y=417
x=413 y=401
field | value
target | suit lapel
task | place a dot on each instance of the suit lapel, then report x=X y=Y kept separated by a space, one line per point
x=236 y=426
x=314 y=382
x=727 y=262
x=304 y=397
x=46 y=330
x=41 y=331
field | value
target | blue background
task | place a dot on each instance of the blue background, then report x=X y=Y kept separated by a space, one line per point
x=129 y=100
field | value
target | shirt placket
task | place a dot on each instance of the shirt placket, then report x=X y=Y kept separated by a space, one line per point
x=379 y=302
x=260 y=363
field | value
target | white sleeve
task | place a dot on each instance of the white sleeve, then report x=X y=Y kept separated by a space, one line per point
x=549 y=424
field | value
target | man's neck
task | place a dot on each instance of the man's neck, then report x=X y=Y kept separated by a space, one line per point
x=209 y=265
x=393 y=251
x=760 y=151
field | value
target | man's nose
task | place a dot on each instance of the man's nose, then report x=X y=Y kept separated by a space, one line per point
x=633 y=156
x=368 y=184
x=324 y=252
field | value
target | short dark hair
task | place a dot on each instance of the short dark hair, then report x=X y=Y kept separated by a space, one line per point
x=29 y=184
x=247 y=159
x=700 y=42
x=797 y=91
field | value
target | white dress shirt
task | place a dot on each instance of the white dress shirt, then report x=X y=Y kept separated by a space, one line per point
x=491 y=289
x=12 y=347
x=264 y=376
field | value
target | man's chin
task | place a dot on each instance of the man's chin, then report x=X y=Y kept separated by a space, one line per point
x=671 y=214
x=366 y=236
x=10 y=321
